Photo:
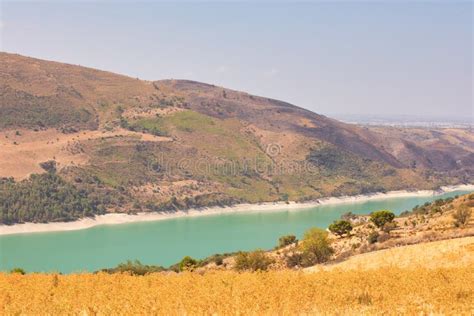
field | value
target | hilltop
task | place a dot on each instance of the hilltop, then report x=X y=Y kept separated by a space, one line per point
x=111 y=143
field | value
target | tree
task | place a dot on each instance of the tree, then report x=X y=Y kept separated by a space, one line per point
x=315 y=247
x=286 y=240
x=187 y=263
x=462 y=216
x=340 y=227
x=380 y=218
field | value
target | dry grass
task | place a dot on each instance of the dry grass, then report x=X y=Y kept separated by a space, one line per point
x=433 y=278
x=382 y=291
x=452 y=253
x=22 y=154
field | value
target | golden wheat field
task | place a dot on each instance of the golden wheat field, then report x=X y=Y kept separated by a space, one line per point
x=383 y=291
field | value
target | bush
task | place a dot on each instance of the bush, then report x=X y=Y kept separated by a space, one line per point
x=388 y=227
x=348 y=216
x=187 y=264
x=383 y=237
x=315 y=247
x=253 y=261
x=294 y=260
x=48 y=166
x=340 y=227
x=462 y=216
x=18 y=270
x=380 y=218
x=373 y=237
x=134 y=268
x=286 y=240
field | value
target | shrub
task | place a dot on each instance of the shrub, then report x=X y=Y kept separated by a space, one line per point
x=462 y=216
x=219 y=260
x=187 y=264
x=18 y=270
x=134 y=268
x=294 y=260
x=315 y=247
x=383 y=237
x=388 y=227
x=348 y=216
x=380 y=218
x=48 y=166
x=373 y=237
x=286 y=240
x=253 y=261
x=340 y=227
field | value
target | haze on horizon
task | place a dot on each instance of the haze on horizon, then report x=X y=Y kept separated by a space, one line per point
x=379 y=58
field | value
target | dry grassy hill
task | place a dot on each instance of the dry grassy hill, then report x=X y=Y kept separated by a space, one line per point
x=171 y=144
x=370 y=284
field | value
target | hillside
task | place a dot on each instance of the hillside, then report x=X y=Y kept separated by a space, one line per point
x=406 y=272
x=431 y=225
x=386 y=287
x=127 y=145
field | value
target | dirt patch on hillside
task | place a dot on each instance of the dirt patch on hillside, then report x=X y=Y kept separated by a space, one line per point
x=22 y=151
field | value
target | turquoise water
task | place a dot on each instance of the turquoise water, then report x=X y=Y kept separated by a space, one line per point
x=166 y=242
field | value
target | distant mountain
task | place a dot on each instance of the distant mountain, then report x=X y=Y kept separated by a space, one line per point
x=129 y=145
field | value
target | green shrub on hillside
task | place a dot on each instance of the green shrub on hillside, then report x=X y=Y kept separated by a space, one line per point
x=380 y=218
x=134 y=268
x=188 y=264
x=315 y=247
x=253 y=261
x=286 y=240
x=18 y=270
x=373 y=237
x=340 y=227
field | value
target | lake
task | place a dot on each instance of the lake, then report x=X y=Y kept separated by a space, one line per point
x=167 y=241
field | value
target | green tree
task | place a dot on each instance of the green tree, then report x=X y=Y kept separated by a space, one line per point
x=315 y=247
x=187 y=264
x=286 y=240
x=380 y=218
x=340 y=227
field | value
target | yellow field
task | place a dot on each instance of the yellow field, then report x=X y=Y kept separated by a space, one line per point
x=451 y=253
x=430 y=278
x=386 y=291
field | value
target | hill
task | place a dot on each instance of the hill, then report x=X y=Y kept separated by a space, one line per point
x=425 y=225
x=127 y=145
x=406 y=273
x=391 y=288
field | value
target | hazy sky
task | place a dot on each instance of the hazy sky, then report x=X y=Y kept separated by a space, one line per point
x=342 y=57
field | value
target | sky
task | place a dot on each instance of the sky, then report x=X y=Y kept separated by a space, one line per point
x=370 y=58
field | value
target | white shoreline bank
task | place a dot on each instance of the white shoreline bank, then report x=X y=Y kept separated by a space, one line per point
x=112 y=219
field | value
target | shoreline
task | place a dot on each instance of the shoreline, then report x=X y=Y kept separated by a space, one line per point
x=120 y=218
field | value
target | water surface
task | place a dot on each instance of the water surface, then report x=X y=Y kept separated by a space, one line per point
x=165 y=242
